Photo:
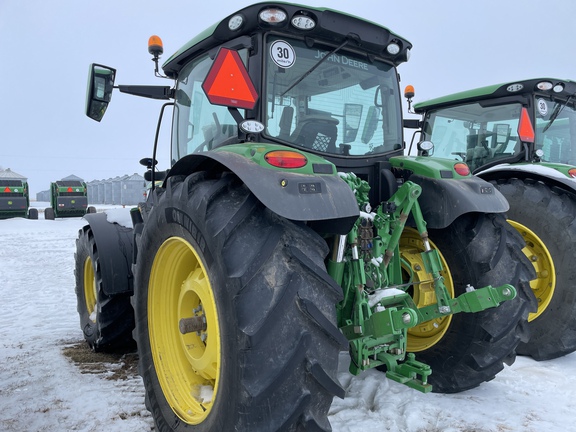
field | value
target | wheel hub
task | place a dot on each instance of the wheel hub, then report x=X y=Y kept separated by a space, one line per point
x=537 y=252
x=184 y=330
x=90 y=292
x=428 y=333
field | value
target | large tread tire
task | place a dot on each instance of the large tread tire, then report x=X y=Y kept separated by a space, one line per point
x=481 y=250
x=49 y=213
x=106 y=321
x=269 y=306
x=550 y=213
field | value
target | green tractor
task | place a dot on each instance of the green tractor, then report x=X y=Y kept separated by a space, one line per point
x=290 y=227
x=68 y=198
x=15 y=200
x=521 y=137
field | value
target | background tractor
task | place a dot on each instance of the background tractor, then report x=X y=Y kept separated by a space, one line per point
x=68 y=198
x=521 y=137
x=290 y=227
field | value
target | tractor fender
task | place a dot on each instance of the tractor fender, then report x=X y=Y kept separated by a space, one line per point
x=444 y=200
x=114 y=243
x=323 y=199
x=545 y=174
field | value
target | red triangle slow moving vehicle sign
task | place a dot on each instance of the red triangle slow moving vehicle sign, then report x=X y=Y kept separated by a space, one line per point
x=228 y=82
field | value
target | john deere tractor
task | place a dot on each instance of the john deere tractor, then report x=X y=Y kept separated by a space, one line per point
x=521 y=137
x=289 y=227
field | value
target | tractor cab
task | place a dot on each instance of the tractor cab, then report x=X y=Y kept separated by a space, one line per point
x=315 y=98
x=525 y=121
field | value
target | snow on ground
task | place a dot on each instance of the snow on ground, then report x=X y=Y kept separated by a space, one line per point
x=44 y=389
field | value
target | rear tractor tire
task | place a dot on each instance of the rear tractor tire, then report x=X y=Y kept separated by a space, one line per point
x=106 y=321
x=546 y=218
x=260 y=352
x=467 y=349
x=49 y=213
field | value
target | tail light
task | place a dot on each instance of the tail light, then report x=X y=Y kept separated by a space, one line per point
x=462 y=169
x=285 y=159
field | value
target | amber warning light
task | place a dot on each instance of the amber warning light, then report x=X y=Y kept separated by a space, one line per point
x=228 y=82
x=155 y=46
x=409 y=92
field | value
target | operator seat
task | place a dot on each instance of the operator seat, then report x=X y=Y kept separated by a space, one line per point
x=317 y=133
x=477 y=151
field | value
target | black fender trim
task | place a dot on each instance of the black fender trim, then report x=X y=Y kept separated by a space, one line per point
x=564 y=183
x=115 y=245
x=444 y=200
x=298 y=197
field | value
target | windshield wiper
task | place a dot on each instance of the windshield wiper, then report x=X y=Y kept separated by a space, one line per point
x=313 y=68
x=557 y=110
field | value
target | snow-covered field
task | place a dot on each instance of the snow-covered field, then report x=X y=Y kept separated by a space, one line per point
x=48 y=381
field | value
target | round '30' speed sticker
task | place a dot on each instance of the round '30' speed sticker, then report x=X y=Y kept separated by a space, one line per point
x=282 y=54
x=542 y=107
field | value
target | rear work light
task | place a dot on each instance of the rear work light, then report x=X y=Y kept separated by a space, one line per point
x=462 y=169
x=544 y=85
x=273 y=16
x=285 y=159
x=303 y=22
x=236 y=22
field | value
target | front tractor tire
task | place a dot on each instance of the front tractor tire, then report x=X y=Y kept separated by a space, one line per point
x=467 y=349
x=261 y=349
x=106 y=321
x=546 y=218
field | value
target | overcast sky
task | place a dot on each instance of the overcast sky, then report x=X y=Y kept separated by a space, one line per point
x=49 y=44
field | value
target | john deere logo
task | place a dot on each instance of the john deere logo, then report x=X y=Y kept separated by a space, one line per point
x=73 y=201
x=9 y=202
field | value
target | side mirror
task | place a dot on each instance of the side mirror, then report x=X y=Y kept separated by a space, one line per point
x=352 y=117
x=99 y=92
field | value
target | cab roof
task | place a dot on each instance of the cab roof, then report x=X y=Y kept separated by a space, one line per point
x=499 y=90
x=330 y=24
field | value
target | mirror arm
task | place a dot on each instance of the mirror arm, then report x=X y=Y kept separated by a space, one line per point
x=148 y=91
x=412 y=123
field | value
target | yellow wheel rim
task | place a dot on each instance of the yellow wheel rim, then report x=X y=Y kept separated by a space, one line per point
x=90 y=289
x=187 y=365
x=537 y=252
x=428 y=333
